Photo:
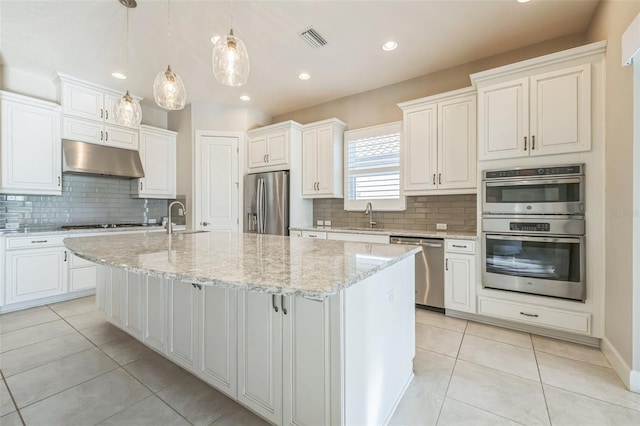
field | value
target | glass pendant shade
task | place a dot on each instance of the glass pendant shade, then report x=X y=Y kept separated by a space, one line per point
x=169 y=91
x=128 y=112
x=230 y=61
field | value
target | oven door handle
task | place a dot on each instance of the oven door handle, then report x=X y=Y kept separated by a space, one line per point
x=516 y=182
x=540 y=239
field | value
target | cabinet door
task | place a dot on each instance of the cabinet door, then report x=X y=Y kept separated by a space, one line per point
x=218 y=330
x=278 y=149
x=457 y=143
x=309 y=162
x=30 y=150
x=561 y=111
x=257 y=152
x=133 y=316
x=459 y=279
x=158 y=156
x=82 y=278
x=116 y=287
x=325 y=161
x=420 y=153
x=121 y=137
x=82 y=102
x=81 y=130
x=182 y=340
x=306 y=370
x=503 y=120
x=34 y=274
x=155 y=311
x=110 y=102
x=260 y=354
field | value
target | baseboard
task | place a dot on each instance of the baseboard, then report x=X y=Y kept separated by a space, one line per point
x=46 y=301
x=399 y=398
x=634 y=381
x=618 y=364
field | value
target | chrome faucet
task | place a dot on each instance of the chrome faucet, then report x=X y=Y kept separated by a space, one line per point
x=369 y=211
x=169 y=223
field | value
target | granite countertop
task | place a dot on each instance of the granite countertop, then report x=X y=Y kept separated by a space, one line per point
x=56 y=230
x=280 y=265
x=394 y=232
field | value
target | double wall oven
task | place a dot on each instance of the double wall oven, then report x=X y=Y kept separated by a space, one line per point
x=533 y=231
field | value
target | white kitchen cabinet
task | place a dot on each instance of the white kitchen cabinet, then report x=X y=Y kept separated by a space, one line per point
x=182 y=345
x=102 y=275
x=35 y=273
x=83 y=278
x=154 y=300
x=283 y=358
x=133 y=304
x=319 y=235
x=269 y=147
x=93 y=132
x=541 y=114
x=364 y=238
x=115 y=296
x=460 y=276
x=322 y=164
x=158 y=156
x=30 y=146
x=439 y=144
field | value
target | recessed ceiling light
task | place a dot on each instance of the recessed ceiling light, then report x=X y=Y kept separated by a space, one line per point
x=304 y=76
x=119 y=75
x=245 y=98
x=389 y=46
x=523 y=1
x=215 y=38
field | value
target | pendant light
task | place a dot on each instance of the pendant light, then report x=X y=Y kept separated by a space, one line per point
x=230 y=60
x=128 y=112
x=168 y=89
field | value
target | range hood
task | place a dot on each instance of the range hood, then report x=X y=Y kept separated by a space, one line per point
x=88 y=158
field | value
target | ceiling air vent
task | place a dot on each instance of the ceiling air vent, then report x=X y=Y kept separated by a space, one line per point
x=313 y=38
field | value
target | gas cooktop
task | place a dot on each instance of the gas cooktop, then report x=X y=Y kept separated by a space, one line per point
x=103 y=226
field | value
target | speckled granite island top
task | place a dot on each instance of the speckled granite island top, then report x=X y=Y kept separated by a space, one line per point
x=281 y=265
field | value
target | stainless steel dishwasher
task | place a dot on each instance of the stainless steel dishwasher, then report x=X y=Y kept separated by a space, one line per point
x=429 y=270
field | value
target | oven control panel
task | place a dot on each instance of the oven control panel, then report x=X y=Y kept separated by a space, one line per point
x=530 y=227
x=575 y=169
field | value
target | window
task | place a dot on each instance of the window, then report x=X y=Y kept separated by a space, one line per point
x=372 y=169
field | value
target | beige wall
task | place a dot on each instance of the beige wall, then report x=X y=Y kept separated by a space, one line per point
x=379 y=106
x=609 y=22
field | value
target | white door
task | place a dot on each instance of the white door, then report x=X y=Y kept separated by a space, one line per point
x=34 y=274
x=309 y=162
x=257 y=152
x=457 y=143
x=217 y=358
x=158 y=156
x=182 y=344
x=260 y=354
x=459 y=282
x=217 y=183
x=110 y=102
x=155 y=329
x=278 y=149
x=420 y=154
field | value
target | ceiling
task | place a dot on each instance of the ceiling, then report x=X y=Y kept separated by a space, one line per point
x=87 y=39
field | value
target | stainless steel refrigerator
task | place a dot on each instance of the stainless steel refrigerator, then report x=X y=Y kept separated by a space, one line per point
x=266 y=203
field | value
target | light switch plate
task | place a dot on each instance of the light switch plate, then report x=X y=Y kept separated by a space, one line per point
x=12 y=225
x=441 y=226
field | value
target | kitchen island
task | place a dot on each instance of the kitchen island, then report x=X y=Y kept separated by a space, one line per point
x=299 y=331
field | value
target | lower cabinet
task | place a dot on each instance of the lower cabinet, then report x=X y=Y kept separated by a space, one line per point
x=35 y=273
x=154 y=301
x=132 y=313
x=460 y=276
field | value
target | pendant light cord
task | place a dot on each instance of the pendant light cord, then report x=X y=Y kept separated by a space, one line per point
x=127 y=42
x=169 y=28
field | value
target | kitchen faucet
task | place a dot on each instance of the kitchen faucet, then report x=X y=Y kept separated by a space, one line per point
x=369 y=211
x=169 y=223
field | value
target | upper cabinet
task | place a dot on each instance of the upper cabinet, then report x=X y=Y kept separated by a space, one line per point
x=89 y=114
x=538 y=107
x=31 y=161
x=158 y=156
x=439 y=144
x=269 y=147
x=322 y=150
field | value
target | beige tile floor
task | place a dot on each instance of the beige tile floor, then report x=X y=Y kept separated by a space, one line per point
x=63 y=364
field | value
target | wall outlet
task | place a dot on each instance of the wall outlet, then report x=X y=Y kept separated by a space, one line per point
x=319 y=223
x=12 y=225
x=327 y=223
x=441 y=226
x=151 y=221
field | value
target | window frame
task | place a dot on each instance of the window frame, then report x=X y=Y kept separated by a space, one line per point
x=399 y=204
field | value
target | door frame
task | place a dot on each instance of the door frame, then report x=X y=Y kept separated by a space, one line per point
x=195 y=183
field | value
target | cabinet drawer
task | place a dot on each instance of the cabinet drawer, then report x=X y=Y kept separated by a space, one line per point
x=460 y=246
x=35 y=242
x=365 y=238
x=575 y=322
x=314 y=234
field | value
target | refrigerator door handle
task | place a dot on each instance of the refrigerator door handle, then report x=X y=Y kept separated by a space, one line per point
x=259 y=206
x=263 y=213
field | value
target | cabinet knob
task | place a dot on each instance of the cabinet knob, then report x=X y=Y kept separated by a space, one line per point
x=204 y=223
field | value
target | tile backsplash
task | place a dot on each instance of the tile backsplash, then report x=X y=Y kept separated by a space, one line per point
x=84 y=200
x=459 y=212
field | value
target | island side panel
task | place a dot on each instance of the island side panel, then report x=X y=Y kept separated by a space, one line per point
x=379 y=343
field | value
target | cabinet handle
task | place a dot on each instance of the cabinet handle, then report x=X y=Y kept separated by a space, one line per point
x=204 y=223
x=434 y=178
x=101 y=135
x=106 y=114
x=106 y=136
x=101 y=113
x=529 y=315
x=65 y=255
x=439 y=178
x=264 y=158
x=458 y=246
x=58 y=180
x=267 y=158
x=525 y=143
x=38 y=241
x=284 y=310
x=446 y=264
x=273 y=302
x=312 y=236
x=140 y=185
x=533 y=142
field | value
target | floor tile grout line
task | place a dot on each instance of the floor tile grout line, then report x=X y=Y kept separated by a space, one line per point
x=498 y=341
x=487 y=411
x=440 y=327
x=590 y=397
x=23 y=328
x=12 y=398
x=453 y=369
x=574 y=359
x=499 y=371
x=544 y=394
x=41 y=341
